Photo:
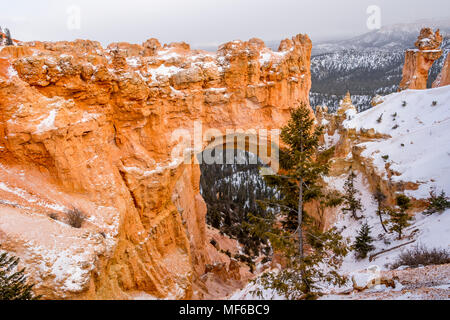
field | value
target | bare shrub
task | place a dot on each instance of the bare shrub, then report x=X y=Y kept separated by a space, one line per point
x=421 y=256
x=380 y=118
x=75 y=218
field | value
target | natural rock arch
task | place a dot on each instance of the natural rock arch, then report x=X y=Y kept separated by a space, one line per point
x=93 y=127
x=265 y=146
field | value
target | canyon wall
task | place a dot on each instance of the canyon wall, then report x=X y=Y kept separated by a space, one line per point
x=88 y=128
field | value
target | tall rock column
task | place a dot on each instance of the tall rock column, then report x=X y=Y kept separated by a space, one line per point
x=443 y=78
x=419 y=61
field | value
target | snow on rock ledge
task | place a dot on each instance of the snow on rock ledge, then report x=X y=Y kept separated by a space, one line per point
x=366 y=279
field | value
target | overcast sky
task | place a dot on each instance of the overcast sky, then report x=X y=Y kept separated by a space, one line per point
x=206 y=22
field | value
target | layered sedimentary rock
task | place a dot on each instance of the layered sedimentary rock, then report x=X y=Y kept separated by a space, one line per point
x=92 y=129
x=419 y=61
x=443 y=78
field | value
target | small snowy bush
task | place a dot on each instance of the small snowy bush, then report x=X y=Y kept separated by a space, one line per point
x=421 y=256
x=75 y=218
x=437 y=203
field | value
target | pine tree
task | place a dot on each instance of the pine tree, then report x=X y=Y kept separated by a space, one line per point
x=9 y=41
x=379 y=198
x=351 y=201
x=399 y=217
x=301 y=170
x=288 y=225
x=299 y=276
x=437 y=203
x=362 y=244
x=13 y=284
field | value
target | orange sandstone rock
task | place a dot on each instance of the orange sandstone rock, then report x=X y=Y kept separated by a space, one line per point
x=443 y=78
x=93 y=127
x=419 y=61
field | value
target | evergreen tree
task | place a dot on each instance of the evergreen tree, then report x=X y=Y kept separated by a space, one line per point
x=13 y=284
x=299 y=276
x=362 y=244
x=379 y=198
x=351 y=201
x=288 y=225
x=399 y=217
x=437 y=203
x=302 y=171
x=9 y=41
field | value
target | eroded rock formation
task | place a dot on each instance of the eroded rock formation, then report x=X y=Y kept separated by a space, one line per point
x=419 y=61
x=346 y=106
x=91 y=128
x=443 y=78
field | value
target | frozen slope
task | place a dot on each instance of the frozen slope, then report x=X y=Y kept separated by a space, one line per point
x=418 y=148
x=428 y=231
x=424 y=131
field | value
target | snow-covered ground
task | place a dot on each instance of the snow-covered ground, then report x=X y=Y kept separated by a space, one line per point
x=433 y=232
x=418 y=146
x=418 y=122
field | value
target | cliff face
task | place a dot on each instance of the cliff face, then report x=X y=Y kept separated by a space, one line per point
x=419 y=61
x=443 y=78
x=88 y=128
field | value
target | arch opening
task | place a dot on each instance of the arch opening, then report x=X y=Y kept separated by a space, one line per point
x=232 y=185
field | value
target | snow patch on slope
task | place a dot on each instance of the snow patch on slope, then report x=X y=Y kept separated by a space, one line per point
x=418 y=150
x=429 y=231
x=432 y=231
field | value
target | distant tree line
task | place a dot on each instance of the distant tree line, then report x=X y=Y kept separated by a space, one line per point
x=364 y=73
